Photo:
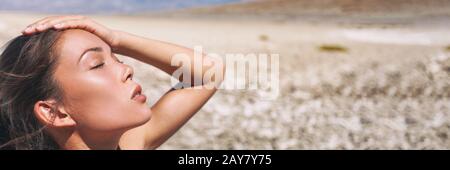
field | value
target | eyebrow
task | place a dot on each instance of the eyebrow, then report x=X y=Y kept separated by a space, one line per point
x=95 y=49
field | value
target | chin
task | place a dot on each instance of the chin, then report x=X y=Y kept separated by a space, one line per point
x=144 y=116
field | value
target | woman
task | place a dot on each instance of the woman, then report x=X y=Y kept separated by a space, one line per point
x=62 y=87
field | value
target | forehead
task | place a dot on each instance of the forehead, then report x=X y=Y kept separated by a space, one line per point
x=73 y=42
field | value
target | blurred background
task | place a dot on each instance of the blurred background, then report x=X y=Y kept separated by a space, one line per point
x=354 y=74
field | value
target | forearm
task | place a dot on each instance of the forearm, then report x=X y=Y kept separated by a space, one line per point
x=177 y=106
x=160 y=54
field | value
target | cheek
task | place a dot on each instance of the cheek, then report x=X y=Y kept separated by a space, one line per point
x=94 y=87
x=102 y=102
x=97 y=101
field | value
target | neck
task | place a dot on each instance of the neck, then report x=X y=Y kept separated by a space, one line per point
x=77 y=140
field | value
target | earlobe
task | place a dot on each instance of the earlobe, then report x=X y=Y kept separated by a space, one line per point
x=47 y=113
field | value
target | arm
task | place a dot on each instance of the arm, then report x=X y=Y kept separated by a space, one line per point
x=178 y=105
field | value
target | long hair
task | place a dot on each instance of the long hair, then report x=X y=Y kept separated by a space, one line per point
x=27 y=65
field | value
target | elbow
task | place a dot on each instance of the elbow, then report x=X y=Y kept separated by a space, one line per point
x=215 y=71
x=221 y=75
x=220 y=68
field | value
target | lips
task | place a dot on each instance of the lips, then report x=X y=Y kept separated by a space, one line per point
x=137 y=95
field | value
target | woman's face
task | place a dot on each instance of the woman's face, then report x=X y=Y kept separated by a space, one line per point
x=99 y=93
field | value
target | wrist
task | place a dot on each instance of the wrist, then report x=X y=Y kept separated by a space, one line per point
x=115 y=41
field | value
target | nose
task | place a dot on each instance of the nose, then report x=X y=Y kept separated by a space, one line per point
x=128 y=73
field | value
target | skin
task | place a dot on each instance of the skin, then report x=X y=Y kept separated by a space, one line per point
x=97 y=111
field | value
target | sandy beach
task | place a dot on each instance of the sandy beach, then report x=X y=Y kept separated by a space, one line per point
x=380 y=83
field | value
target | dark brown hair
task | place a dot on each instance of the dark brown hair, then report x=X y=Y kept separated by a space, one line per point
x=27 y=66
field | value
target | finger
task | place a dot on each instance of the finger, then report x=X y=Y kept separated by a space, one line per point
x=48 y=22
x=87 y=25
x=32 y=27
x=40 y=21
x=29 y=30
x=73 y=24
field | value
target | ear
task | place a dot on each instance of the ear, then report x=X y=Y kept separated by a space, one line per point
x=51 y=114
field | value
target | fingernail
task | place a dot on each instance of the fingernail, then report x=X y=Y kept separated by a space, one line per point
x=40 y=27
x=58 y=25
x=28 y=29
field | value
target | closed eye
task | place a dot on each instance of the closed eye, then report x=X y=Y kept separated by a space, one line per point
x=98 y=66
